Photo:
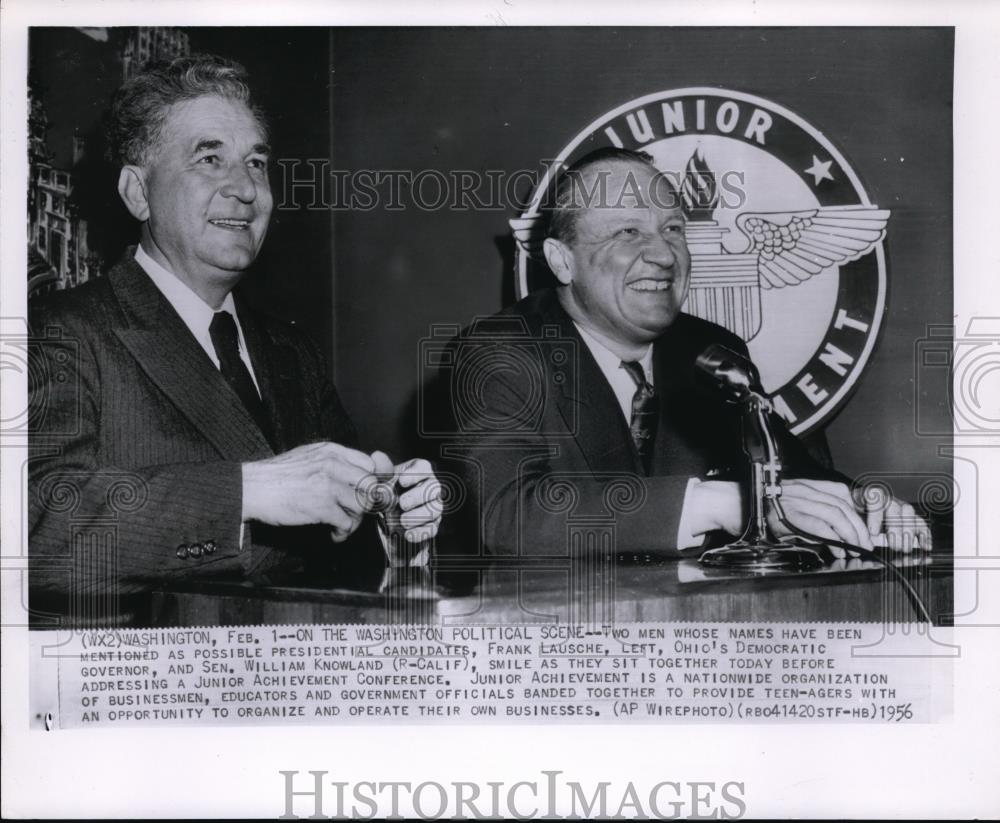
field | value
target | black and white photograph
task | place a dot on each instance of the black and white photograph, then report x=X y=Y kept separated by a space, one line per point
x=505 y=339
x=506 y=375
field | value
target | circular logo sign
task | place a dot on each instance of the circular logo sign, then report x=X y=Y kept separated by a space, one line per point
x=786 y=247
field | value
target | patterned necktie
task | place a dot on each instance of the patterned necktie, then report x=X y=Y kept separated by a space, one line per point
x=234 y=370
x=645 y=414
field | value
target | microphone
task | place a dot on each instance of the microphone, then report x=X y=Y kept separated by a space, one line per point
x=736 y=374
x=757 y=551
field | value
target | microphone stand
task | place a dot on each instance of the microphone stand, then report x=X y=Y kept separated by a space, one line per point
x=757 y=551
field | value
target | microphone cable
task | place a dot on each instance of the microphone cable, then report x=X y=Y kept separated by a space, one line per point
x=914 y=598
x=739 y=377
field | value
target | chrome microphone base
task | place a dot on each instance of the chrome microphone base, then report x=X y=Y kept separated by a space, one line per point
x=762 y=558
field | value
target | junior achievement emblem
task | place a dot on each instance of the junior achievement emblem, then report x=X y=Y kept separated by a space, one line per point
x=786 y=246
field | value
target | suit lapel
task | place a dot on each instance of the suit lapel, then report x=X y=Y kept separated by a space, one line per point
x=589 y=406
x=274 y=368
x=667 y=381
x=167 y=352
x=696 y=430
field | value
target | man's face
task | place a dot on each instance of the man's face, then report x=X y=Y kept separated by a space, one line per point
x=207 y=190
x=629 y=266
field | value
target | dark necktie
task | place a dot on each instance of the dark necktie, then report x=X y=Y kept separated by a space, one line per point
x=234 y=370
x=645 y=414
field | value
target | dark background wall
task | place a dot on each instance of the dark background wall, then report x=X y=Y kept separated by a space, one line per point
x=494 y=98
x=76 y=76
x=370 y=284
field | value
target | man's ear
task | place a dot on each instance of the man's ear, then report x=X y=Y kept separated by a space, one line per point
x=132 y=190
x=560 y=259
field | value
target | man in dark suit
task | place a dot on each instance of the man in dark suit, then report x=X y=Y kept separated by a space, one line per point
x=584 y=402
x=177 y=433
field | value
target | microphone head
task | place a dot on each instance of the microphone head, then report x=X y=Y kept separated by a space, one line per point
x=735 y=374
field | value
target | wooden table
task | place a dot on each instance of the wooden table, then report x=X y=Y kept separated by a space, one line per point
x=519 y=590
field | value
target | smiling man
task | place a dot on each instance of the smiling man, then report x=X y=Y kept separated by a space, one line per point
x=583 y=401
x=180 y=434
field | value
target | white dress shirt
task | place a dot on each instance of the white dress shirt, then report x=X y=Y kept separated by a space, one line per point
x=610 y=364
x=195 y=312
x=197 y=316
x=624 y=389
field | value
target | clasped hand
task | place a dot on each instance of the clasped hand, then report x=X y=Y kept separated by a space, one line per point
x=828 y=510
x=821 y=507
x=336 y=485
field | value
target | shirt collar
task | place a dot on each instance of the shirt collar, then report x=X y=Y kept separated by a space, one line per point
x=195 y=312
x=610 y=362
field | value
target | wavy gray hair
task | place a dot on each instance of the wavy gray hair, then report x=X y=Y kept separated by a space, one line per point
x=139 y=108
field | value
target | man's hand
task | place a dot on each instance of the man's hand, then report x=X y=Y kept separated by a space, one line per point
x=315 y=483
x=820 y=507
x=823 y=508
x=417 y=509
x=894 y=523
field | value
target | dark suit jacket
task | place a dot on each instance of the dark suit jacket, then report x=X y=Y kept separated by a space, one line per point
x=540 y=441
x=137 y=443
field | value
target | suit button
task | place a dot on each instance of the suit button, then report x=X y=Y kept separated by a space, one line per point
x=182 y=551
x=195 y=549
x=209 y=546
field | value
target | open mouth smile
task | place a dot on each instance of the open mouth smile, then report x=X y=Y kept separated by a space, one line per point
x=231 y=224
x=649 y=284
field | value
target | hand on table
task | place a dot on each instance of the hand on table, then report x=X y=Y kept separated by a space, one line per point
x=893 y=523
x=821 y=507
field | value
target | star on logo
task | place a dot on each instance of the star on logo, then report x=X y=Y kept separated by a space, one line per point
x=820 y=171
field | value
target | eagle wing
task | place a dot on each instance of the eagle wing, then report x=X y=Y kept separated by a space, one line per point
x=792 y=246
x=529 y=235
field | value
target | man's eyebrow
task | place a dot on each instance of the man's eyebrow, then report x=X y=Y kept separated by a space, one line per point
x=619 y=219
x=214 y=144
x=207 y=145
x=676 y=216
x=609 y=227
